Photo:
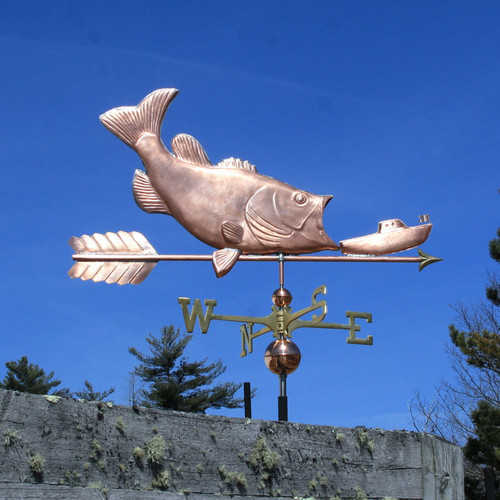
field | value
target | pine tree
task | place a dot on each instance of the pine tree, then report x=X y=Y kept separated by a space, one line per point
x=481 y=348
x=493 y=291
x=89 y=394
x=484 y=447
x=175 y=382
x=24 y=376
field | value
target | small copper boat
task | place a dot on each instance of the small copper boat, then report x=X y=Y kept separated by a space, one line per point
x=392 y=236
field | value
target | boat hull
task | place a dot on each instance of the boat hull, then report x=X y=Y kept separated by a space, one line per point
x=387 y=240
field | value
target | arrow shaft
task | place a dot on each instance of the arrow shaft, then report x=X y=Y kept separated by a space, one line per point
x=248 y=258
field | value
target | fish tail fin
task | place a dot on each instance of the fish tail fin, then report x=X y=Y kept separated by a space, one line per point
x=130 y=123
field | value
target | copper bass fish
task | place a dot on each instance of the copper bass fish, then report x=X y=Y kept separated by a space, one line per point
x=229 y=205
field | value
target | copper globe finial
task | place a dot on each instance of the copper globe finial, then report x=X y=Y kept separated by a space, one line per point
x=282 y=357
x=282 y=297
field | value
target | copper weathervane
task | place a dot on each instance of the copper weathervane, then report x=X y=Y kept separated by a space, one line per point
x=244 y=215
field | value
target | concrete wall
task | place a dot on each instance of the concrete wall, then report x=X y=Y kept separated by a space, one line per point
x=69 y=449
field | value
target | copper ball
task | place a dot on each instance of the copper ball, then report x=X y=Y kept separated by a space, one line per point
x=282 y=297
x=282 y=357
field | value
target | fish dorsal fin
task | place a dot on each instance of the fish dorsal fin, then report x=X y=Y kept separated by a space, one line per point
x=187 y=148
x=146 y=196
x=223 y=260
x=236 y=163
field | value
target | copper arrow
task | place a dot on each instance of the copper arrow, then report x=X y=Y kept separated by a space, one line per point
x=129 y=257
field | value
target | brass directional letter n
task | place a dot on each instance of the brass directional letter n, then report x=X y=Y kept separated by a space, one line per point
x=197 y=312
x=246 y=339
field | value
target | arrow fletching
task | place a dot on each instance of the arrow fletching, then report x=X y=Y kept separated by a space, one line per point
x=112 y=257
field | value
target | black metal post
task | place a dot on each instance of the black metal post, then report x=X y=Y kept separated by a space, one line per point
x=283 y=400
x=248 y=399
x=283 y=408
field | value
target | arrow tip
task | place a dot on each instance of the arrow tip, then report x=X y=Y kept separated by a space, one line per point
x=426 y=259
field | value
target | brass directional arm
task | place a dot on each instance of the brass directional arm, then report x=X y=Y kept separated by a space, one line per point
x=282 y=321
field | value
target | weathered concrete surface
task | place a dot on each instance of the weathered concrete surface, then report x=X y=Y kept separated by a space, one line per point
x=90 y=450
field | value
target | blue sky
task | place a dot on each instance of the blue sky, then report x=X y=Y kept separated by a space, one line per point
x=392 y=107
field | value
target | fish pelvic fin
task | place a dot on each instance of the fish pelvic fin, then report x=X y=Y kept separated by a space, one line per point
x=146 y=196
x=223 y=260
x=129 y=123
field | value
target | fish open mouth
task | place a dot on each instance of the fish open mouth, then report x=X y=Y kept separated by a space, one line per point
x=316 y=234
x=325 y=200
x=331 y=245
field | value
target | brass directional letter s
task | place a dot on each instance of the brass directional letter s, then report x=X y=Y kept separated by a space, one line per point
x=197 y=312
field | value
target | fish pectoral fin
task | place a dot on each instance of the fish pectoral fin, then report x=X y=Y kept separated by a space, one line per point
x=187 y=148
x=236 y=163
x=223 y=260
x=146 y=196
x=232 y=232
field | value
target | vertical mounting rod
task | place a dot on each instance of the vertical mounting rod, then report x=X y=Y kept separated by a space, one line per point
x=281 y=269
x=248 y=399
x=283 y=400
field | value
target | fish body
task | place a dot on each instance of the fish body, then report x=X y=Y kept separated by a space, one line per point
x=229 y=206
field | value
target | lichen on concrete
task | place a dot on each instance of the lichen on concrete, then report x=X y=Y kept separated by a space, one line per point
x=199 y=456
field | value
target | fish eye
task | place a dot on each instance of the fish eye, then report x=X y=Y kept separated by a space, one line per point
x=300 y=198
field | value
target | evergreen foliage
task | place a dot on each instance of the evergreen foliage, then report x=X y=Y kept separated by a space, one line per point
x=482 y=350
x=89 y=394
x=484 y=448
x=493 y=291
x=24 y=376
x=175 y=382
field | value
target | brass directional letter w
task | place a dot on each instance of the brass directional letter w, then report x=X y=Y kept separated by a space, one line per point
x=197 y=312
